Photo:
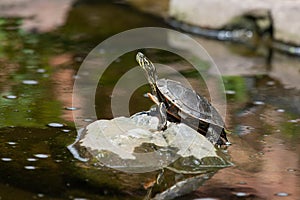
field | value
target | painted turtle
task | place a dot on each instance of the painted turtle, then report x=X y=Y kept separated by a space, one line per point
x=184 y=104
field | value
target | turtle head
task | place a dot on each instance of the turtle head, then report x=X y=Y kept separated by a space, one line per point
x=149 y=69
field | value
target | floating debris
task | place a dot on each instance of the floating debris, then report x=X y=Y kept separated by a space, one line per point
x=280 y=110
x=242 y=183
x=291 y=170
x=230 y=92
x=12 y=143
x=282 y=194
x=55 y=125
x=32 y=159
x=258 y=102
x=30 y=82
x=6 y=159
x=270 y=83
x=40 y=195
x=294 y=120
x=78 y=198
x=10 y=97
x=40 y=155
x=241 y=194
x=71 y=108
x=41 y=70
x=88 y=120
x=29 y=167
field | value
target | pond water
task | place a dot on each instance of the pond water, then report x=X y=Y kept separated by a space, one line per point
x=36 y=112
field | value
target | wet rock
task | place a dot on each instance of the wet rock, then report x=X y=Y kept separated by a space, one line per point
x=216 y=14
x=39 y=15
x=134 y=145
x=159 y=8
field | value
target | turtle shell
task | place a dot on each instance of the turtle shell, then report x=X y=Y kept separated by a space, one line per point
x=189 y=104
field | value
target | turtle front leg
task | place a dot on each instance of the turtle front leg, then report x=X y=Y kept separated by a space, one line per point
x=161 y=112
x=162 y=117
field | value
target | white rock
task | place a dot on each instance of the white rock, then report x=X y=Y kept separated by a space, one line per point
x=217 y=13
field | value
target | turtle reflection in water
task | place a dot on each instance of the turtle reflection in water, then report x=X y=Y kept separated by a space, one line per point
x=184 y=105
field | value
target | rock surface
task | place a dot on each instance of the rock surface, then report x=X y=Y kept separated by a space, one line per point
x=159 y=8
x=217 y=13
x=39 y=15
x=134 y=145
